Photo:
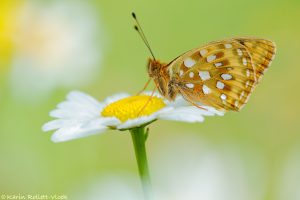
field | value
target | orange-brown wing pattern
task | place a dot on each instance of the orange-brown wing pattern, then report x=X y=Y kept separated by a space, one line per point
x=220 y=74
x=262 y=53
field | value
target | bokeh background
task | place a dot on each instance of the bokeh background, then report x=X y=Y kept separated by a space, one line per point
x=48 y=48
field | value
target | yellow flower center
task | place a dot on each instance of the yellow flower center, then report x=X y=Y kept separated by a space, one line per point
x=133 y=107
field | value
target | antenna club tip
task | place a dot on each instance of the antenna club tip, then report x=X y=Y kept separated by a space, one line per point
x=136 y=28
x=133 y=15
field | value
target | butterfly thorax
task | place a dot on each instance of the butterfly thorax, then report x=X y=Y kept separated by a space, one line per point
x=159 y=73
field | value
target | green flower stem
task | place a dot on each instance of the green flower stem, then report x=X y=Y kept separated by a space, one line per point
x=139 y=136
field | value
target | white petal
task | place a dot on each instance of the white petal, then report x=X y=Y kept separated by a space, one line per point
x=73 y=114
x=82 y=98
x=213 y=111
x=78 y=106
x=183 y=111
x=185 y=114
x=79 y=130
x=79 y=116
x=131 y=123
x=71 y=104
x=110 y=121
x=74 y=132
x=179 y=102
x=55 y=124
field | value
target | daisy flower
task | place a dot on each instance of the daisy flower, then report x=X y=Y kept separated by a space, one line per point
x=54 y=45
x=81 y=115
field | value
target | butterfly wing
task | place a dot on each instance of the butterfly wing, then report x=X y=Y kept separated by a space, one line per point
x=222 y=74
x=262 y=53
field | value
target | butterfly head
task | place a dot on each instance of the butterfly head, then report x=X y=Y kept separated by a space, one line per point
x=153 y=67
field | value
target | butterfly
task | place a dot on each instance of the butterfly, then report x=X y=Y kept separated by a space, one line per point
x=221 y=74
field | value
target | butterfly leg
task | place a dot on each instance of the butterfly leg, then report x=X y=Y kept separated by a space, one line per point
x=148 y=101
x=145 y=86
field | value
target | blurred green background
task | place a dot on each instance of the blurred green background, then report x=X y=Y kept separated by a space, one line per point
x=264 y=134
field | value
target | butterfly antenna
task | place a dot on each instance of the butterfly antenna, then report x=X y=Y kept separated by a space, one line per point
x=140 y=31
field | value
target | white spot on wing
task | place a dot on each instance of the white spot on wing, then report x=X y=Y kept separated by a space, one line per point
x=191 y=74
x=211 y=58
x=247 y=84
x=190 y=85
x=220 y=85
x=228 y=46
x=244 y=61
x=226 y=76
x=205 y=89
x=203 y=52
x=236 y=103
x=181 y=72
x=223 y=97
x=204 y=75
x=242 y=94
x=248 y=73
x=218 y=64
x=189 y=62
x=240 y=53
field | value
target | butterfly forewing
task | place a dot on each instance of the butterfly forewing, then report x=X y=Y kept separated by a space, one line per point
x=222 y=74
